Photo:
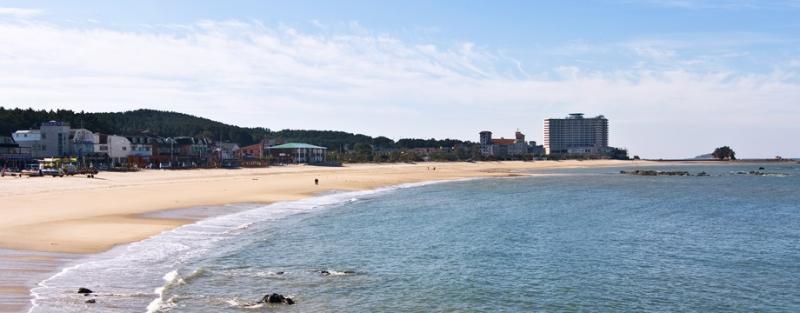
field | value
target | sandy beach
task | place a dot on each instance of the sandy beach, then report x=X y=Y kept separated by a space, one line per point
x=77 y=215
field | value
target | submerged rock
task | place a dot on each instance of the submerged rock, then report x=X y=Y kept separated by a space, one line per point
x=656 y=173
x=85 y=291
x=335 y=273
x=91 y=301
x=275 y=298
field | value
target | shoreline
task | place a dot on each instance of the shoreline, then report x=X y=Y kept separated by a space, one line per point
x=144 y=217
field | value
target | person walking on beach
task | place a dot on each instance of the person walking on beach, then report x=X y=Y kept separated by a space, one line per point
x=316 y=181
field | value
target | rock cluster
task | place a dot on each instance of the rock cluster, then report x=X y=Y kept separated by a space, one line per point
x=275 y=298
x=660 y=173
x=85 y=291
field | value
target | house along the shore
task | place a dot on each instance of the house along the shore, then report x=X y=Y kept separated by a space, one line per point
x=295 y=153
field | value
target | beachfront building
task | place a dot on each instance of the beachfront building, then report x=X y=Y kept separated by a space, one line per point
x=141 y=153
x=224 y=155
x=252 y=152
x=81 y=142
x=534 y=149
x=54 y=140
x=12 y=155
x=191 y=151
x=293 y=153
x=576 y=135
x=252 y=155
x=163 y=150
x=116 y=148
x=502 y=147
x=28 y=140
x=226 y=150
x=8 y=146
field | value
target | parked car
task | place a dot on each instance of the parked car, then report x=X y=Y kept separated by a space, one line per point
x=51 y=171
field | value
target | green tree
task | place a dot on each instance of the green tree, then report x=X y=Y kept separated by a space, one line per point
x=363 y=152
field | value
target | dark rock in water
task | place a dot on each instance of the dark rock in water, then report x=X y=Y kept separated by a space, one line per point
x=276 y=298
x=85 y=291
x=761 y=168
x=656 y=173
x=324 y=273
x=273 y=298
x=91 y=301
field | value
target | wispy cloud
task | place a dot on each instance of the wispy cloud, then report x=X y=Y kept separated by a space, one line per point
x=19 y=12
x=276 y=76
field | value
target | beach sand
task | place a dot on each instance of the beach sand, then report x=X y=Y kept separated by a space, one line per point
x=78 y=215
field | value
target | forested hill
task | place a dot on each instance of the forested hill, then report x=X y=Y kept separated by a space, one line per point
x=159 y=123
x=170 y=124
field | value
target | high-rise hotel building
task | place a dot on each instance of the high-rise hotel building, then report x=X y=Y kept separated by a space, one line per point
x=576 y=135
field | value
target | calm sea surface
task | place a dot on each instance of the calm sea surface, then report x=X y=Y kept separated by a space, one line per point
x=590 y=240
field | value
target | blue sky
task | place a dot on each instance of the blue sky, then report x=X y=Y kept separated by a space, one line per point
x=676 y=78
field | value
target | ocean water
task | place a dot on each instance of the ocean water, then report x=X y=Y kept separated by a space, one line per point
x=575 y=240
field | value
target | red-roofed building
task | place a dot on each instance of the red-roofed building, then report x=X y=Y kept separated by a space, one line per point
x=252 y=152
x=506 y=147
x=503 y=141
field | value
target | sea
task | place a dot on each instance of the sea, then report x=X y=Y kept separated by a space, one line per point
x=568 y=240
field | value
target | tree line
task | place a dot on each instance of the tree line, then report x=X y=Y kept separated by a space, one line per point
x=173 y=124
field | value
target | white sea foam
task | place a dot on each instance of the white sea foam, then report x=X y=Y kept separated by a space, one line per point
x=141 y=265
x=172 y=278
x=339 y=273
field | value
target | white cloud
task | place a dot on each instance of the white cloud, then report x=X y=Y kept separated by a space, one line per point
x=19 y=12
x=254 y=75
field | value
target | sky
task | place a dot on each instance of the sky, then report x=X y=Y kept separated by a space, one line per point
x=675 y=78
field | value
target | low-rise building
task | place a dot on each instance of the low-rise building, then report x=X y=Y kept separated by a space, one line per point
x=55 y=139
x=8 y=146
x=191 y=151
x=502 y=147
x=293 y=153
x=252 y=152
x=12 y=155
x=28 y=139
x=117 y=148
x=81 y=142
x=227 y=150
